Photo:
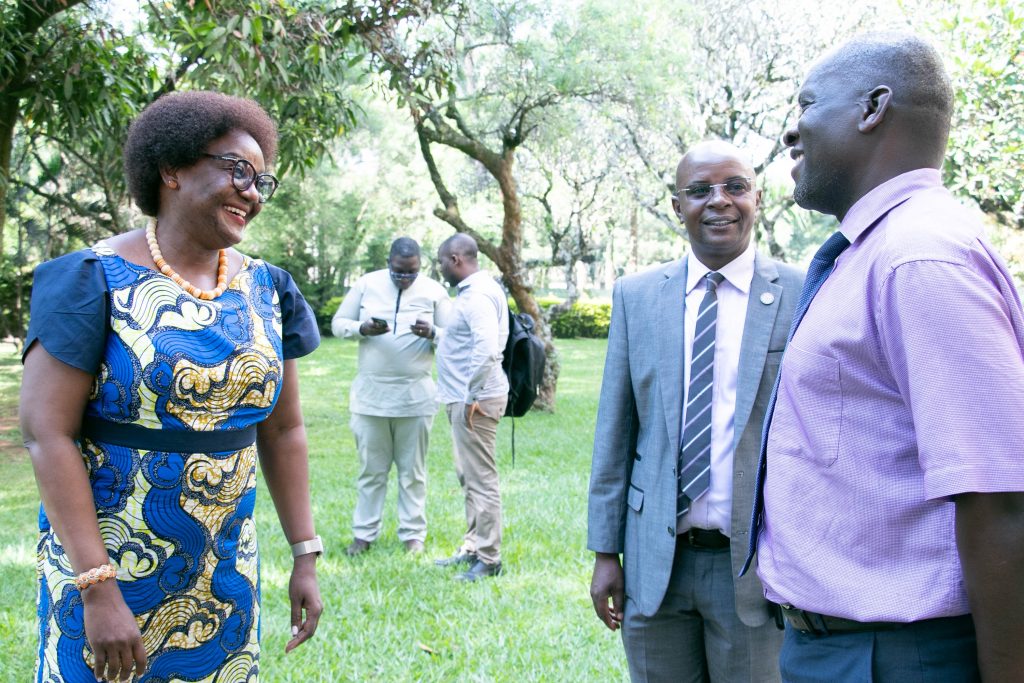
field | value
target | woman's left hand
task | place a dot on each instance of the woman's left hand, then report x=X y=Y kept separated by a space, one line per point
x=304 y=594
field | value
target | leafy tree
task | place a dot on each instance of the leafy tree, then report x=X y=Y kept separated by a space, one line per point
x=985 y=53
x=73 y=80
x=738 y=83
x=486 y=81
x=314 y=234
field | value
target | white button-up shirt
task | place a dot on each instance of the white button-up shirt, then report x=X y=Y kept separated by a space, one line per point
x=470 y=351
x=394 y=368
x=713 y=510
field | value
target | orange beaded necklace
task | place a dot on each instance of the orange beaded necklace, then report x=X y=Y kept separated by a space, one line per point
x=158 y=259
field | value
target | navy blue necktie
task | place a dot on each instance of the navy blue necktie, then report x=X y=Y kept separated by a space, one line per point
x=817 y=272
x=694 y=465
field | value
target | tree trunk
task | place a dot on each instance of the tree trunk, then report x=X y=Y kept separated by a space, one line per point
x=8 y=120
x=514 y=272
x=768 y=232
x=508 y=255
x=522 y=293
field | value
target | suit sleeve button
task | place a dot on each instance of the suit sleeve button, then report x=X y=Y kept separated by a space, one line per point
x=671 y=531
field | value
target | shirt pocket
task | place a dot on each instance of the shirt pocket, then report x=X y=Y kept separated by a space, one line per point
x=812 y=390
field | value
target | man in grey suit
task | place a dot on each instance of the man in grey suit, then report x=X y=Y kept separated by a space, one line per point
x=722 y=313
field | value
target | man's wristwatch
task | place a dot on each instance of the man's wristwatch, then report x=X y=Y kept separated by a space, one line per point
x=314 y=545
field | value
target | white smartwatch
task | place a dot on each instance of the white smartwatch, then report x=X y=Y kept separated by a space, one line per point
x=314 y=545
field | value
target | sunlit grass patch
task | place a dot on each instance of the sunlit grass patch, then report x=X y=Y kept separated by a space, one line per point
x=391 y=616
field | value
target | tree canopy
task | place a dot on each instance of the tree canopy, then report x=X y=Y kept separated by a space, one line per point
x=547 y=130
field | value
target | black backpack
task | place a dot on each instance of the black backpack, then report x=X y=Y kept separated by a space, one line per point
x=523 y=363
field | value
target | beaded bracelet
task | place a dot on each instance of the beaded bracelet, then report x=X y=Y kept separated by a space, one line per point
x=95 y=575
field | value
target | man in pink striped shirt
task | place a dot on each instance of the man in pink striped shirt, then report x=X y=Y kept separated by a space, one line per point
x=892 y=527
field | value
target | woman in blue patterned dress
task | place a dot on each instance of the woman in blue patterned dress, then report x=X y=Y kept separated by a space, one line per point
x=159 y=367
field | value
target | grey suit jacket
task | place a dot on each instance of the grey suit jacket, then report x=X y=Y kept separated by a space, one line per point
x=632 y=505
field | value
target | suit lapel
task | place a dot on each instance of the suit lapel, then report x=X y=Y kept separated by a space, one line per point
x=757 y=332
x=671 y=300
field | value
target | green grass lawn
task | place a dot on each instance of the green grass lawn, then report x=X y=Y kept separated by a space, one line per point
x=389 y=616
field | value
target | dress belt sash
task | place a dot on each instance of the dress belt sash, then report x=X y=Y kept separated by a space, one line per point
x=168 y=440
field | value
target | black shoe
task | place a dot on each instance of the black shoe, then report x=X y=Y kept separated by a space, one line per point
x=357 y=547
x=458 y=558
x=479 y=570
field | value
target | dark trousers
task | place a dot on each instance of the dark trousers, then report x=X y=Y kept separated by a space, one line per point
x=933 y=651
x=696 y=636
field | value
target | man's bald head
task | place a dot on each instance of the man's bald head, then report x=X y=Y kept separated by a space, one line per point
x=875 y=108
x=457 y=258
x=707 y=150
x=910 y=66
x=717 y=200
x=461 y=244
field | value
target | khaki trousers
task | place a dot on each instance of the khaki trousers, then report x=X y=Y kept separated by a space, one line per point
x=380 y=442
x=477 y=471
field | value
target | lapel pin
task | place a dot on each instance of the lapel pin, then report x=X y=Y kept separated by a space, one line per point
x=767 y=298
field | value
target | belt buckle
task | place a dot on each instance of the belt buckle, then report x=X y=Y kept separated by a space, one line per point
x=803 y=620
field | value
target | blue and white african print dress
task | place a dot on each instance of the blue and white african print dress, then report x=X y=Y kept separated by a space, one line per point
x=178 y=524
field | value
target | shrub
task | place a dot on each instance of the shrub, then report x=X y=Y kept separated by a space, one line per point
x=586 y=320
x=326 y=312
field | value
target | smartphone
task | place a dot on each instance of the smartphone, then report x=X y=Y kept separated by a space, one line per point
x=379 y=322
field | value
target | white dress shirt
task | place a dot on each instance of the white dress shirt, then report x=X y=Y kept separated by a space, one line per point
x=470 y=351
x=713 y=510
x=394 y=368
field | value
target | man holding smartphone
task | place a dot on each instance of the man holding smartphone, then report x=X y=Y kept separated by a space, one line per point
x=395 y=313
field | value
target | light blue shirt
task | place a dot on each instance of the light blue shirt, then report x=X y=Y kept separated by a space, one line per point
x=470 y=351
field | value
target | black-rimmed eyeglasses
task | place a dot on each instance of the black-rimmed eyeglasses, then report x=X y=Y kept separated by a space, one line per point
x=734 y=187
x=244 y=175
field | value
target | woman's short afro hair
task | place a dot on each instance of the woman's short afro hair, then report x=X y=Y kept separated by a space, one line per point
x=175 y=130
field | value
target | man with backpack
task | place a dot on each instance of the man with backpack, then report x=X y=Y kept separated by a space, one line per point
x=474 y=391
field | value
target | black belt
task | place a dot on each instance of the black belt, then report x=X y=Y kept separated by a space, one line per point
x=708 y=539
x=170 y=440
x=823 y=625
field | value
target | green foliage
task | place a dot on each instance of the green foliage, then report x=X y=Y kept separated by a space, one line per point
x=84 y=80
x=377 y=251
x=292 y=57
x=326 y=312
x=13 y=299
x=314 y=231
x=983 y=43
x=583 y=320
x=389 y=616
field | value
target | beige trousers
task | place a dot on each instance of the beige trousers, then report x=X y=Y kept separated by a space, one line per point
x=477 y=471
x=380 y=442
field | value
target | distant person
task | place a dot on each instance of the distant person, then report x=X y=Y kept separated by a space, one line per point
x=693 y=351
x=159 y=365
x=396 y=314
x=474 y=391
x=892 y=508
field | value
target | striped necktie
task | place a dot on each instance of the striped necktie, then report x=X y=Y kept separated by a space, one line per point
x=817 y=272
x=695 y=454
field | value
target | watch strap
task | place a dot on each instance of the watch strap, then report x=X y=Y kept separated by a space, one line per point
x=314 y=545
